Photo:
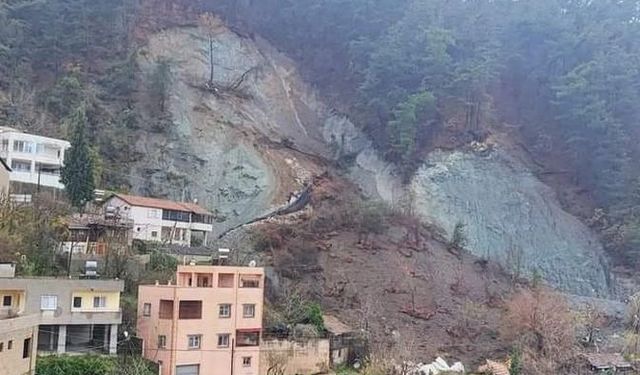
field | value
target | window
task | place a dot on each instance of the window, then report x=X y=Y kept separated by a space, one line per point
x=23 y=146
x=246 y=361
x=223 y=340
x=225 y=280
x=146 y=309
x=224 y=311
x=166 y=309
x=154 y=233
x=153 y=213
x=247 y=337
x=48 y=302
x=99 y=302
x=26 y=348
x=190 y=310
x=21 y=166
x=176 y=216
x=248 y=311
x=1 y=346
x=77 y=302
x=10 y=345
x=194 y=341
x=249 y=281
x=5 y=145
x=162 y=341
x=6 y=301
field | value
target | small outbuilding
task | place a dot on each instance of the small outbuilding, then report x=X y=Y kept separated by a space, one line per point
x=614 y=362
x=341 y=339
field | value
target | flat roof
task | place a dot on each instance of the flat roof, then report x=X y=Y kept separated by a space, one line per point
x=6 y=129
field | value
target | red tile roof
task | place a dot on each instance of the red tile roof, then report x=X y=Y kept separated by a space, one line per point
x=163 y=204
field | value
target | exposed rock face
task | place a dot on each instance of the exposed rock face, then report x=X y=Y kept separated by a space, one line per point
x=224 y=149
x=510 y=215
x=235 y=155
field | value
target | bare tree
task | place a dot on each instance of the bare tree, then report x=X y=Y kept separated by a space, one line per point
x=540 y=322
x=632 y=335
x=212 y=26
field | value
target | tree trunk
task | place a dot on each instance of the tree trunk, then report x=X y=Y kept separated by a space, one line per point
x=211 y=60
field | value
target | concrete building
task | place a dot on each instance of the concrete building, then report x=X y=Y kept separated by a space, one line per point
x=161 y=220
x=18 y=330
x=33 y=159
x=4 y=177
x=73 y=315
x=293 y=357
x=209 y=323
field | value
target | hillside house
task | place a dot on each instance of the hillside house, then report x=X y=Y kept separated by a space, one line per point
x=72 y=315
x=96 y=234
x=208 y=323
x=341 y=338
x=33 y=159
x=161 y=220
x=18 y=330
x=608 y=363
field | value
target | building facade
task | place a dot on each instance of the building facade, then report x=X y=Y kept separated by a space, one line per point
x=96 y=234
x=73 y=315
x=209 y=323
x=18 y=330
x=160 y=220
x=33 y=159
x=4 y=177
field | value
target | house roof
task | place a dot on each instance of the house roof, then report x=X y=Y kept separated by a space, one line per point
x=4 y=164
x=164 y=204
x=84 y=221
x=606 y=361
x=335 y=326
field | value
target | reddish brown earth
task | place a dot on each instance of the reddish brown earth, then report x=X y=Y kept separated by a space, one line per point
x=402 y=288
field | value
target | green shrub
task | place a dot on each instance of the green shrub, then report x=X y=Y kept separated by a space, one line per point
x=76 y=365
x=314 y=316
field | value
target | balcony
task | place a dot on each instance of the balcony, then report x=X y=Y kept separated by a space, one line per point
x=247 y=337
x=250 y=281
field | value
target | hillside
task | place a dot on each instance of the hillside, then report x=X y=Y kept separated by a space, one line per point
x=242 y=105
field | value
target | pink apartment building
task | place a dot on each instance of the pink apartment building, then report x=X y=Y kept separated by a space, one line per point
x=209 y=323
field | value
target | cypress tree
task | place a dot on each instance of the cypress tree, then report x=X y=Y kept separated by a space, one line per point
x=77 y=173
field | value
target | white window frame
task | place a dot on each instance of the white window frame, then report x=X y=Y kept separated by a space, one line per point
x=251 y=313
x=223 y=340
x=48 y=302
x=224 y=307
x=194 y=341
x=101 y=302
x=246 y=361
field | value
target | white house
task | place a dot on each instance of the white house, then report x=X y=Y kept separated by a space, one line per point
x=161 y=220
x=32 y=158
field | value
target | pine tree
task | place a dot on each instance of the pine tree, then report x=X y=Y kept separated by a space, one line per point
x=77 y=173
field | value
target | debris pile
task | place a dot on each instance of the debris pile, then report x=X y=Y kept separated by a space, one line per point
x=439 y=366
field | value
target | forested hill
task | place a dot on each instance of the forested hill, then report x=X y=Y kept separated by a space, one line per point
x=414 y=74
x=565 y=73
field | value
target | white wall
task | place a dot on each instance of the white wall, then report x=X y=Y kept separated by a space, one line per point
x=43 y=150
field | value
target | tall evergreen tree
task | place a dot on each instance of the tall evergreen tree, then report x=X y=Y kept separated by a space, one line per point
x=77 y=173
